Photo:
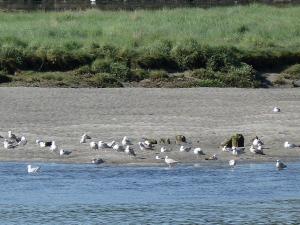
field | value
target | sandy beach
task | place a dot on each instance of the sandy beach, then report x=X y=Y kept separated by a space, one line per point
x=206 y=116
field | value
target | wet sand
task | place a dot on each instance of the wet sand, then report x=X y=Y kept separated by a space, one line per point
x=206 y=116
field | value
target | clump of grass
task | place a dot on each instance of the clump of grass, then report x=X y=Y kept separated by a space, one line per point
x=292 y=73
x=104 y=80
x=139 y=74
x=158 y=75
x=280 y=81
x=190 y=55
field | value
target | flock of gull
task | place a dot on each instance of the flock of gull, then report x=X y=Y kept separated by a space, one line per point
x=13 y=141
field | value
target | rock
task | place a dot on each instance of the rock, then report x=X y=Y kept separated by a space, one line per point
x=180 y=139
x=236 y=140
x=152 y=141
x=165 y=141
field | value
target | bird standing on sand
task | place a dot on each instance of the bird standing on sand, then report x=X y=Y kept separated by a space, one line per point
x=198 y=152
x=93 y=145
x=170 y=162
x=290 y=145
x=8 y=144
x=232 y=162
x=111 y=144
x=53 y=146
x=31 y=169
x=257 y=150
x=118 y=148
x=13 y=136
x=257 y=141
x=276 y=109
x=126 y=141
x=84 y=137
x=184 y=148
x=163 y=149
x=97 y=161
x=23 y=141
x=102 y=145
x=214 y=157
x=280 y=165
x=237 y=150
x=64 y=152
x=129 y=151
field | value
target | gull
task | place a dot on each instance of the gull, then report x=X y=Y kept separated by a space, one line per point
x=23 y=141
x=170 y=162
x=145 y=145
x=44 y=144
x=102 y=145
x=184 y=148
x=290 y=145
x=276 y=109
x=226 y=149
x=237 y=150
x=126 y=141
x=111 y=144
x=142 y=146
x=257 y=150
x=84 y=137
x=8 y=144
x=280 y=165
x=93 y=145
x=163 y=149
x=97 y=161
x=148 y=144
x=158 y=158
x=118 y=148
x=64 y=152
x=214 y=157
x=53 y=146
x=129 y=151
x=31 y=169
x=13 y=136
x=257 y=141
x=232 y=162
x=198 y=151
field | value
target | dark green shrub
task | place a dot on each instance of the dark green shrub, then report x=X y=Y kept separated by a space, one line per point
x=101 y=65
x=203 y=74
x=158 y=75
x=84 y=71
x=104 y=81
x=4 y=78
x=190 y=55
x=243 y=76
x=120 y=71
x=139 y=74
x=11 y=58
x=222 y=58
x=156 y=56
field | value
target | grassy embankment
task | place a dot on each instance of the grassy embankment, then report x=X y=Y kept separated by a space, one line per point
x=220 y=47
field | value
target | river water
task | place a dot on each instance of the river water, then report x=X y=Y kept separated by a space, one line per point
x=187 y=194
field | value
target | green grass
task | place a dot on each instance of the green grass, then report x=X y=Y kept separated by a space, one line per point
x=125 y=46
x=254 y=26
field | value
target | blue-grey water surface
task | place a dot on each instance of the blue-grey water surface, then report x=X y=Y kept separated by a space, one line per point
x=89 y=194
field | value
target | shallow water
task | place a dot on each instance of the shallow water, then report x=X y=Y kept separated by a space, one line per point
x=89 y=194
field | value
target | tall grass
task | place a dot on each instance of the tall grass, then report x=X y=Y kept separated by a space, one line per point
x=248 y=27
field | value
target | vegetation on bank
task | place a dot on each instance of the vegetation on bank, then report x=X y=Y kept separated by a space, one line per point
x=218 y=47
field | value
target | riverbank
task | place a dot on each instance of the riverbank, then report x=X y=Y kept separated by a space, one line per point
x=206 y=116
x=217 y=47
